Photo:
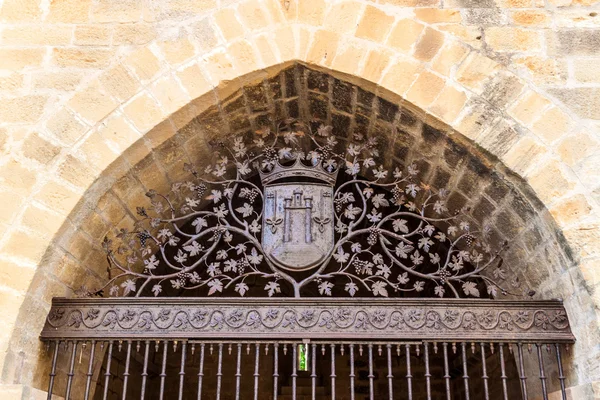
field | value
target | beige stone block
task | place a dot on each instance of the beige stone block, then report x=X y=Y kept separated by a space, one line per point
x=303 y=41
x=348 y=58
x=531 y=18
x=143 y=63
x=11 y=81
x=405 y=34
x=29 y=35
x=68 y=11
x=14 y=176
x=374 y=24
x=159 y=134
x=133 y=34
x=193 y=81
x=119 y=82
x=265 y=50
x=16 y=59
x=92 y=35
x=191 y=7
x=97 y=153
x=527 y=108
x=578 y=146
x=20 y=10
x=9 y=209
x=252 y=15
x=543 y=70
x=66 y=127
x=58 y=197
x=342 y=17
x=425 y=89
x=586 y=70
x=438 y=15
x=16 y=276
x=515 y=3
x=429 y=44
x=93 y=104
x=244 y=57
x=590 y=271
x=144 y=112
x=229 y=24
x=449 y=58
x=26 y=109
x=39 y=149
x=117 y=11
x=76 y=172
x=549 y=181
x=219 y=67
x=401 y=76
x=82 y=57
x=552 y=125
x=274 y=9
x=205 y=34
x=470 y=35
x=323 y=47
x=23 y=245
x=448 y=104
x=377 y=61
x=475 y=70
x=286 y=43
x=311 y=12
x=118 y=133
x=413 y=3
x=509 y=39
x=177 y=50
x=96 y=227
x=64 y=81
x=525 y=153
x=570 y=211
x=169 y=94
x=41 y=220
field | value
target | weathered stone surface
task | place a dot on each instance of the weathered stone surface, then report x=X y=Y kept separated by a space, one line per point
x=584 y=101
x=575 y=42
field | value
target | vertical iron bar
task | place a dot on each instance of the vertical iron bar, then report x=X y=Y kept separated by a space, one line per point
x=107 y=373
x=182 y=369
x=351 y=371
x=465 y=374
x=446 y=370
x=313 y=372
x=427 y=372
x=390 y=376
x=53 y=370
x=276 y=369
x=294 y=374
x=238 y=374
x=542 y=372
x=126 y=372
x=522 y=376
x=163 y=372
x=219 y=371
x=561 y=375
x=503 y=370
x=90 y=372
x=145 y=370
x=371 y=376
x=484 y=375
x=201 y=371
x=408 y=371
x=332 y=371
x=71 y=371
x=256 y=371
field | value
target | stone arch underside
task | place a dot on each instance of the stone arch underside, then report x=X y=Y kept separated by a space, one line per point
x=538 y=254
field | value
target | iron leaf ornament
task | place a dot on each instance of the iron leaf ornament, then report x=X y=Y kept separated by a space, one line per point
x=301 y=212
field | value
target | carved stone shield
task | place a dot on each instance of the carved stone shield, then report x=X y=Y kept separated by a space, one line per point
x=298 y=224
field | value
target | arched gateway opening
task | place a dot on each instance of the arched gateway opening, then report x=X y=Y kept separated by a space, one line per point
x=312 y=238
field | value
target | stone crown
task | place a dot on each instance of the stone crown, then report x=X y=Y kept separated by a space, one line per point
x=299 y=169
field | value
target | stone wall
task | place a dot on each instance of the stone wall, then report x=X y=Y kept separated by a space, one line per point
x=88 y=89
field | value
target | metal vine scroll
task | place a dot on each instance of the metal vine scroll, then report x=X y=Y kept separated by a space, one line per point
x=300 y=212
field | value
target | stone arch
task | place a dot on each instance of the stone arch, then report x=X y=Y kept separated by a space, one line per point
x=142 y=102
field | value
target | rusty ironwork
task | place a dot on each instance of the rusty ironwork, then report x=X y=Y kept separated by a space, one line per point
x=296 y=213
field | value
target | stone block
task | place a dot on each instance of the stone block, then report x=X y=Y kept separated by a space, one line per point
x=92 y=104
x=530 y=18
x=178 y=49
x=586 y=70
x=76 y=172
x=265 y=50
x=69 y=11
x=144 y=63
x=485 y=17
x=58 y=197
x=26 y=109
x=119 y=82
x=438 y=15
x=523 y=154
x=578 y=146
x=244 y=57
x=584 y=101
x=42 y=220
x=22 y=245
x=92 y=35
x=469 y=35
x=549 y=181
x=193 y=81
x=323 y=47
x=342 y=17
x=228 y=24
x=529 y=107
x=348 y=58
x=449 y=57
x=449 y=104
x=133 y=34
x=543 y=70
x=499 y=139
x=574 y=42
x=63 y=81
x=66 y=127
x=28 y=35
x=474 y=71
x=429 y=44
x=374 y=24
x=502 y=89
x=219 y=67
x=571 y=210
x=375 y=64
x=144 y=112
x=20 y=10
x=17 y=59
x=37 y=148
x=10 y=209
x=16 y=177
x=82 y=57
x=97 y=153
x=204 y=33
x=401 y=76
x=511 y=39
x=169 y=94
x=107 y=11
x=405 y=34
x=252 y=15
x=477 y=119
x=11 y=82
x=311 y=12
x=425 y=89
x=552 y=125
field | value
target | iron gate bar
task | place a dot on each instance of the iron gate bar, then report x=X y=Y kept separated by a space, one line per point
x=452 y=320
